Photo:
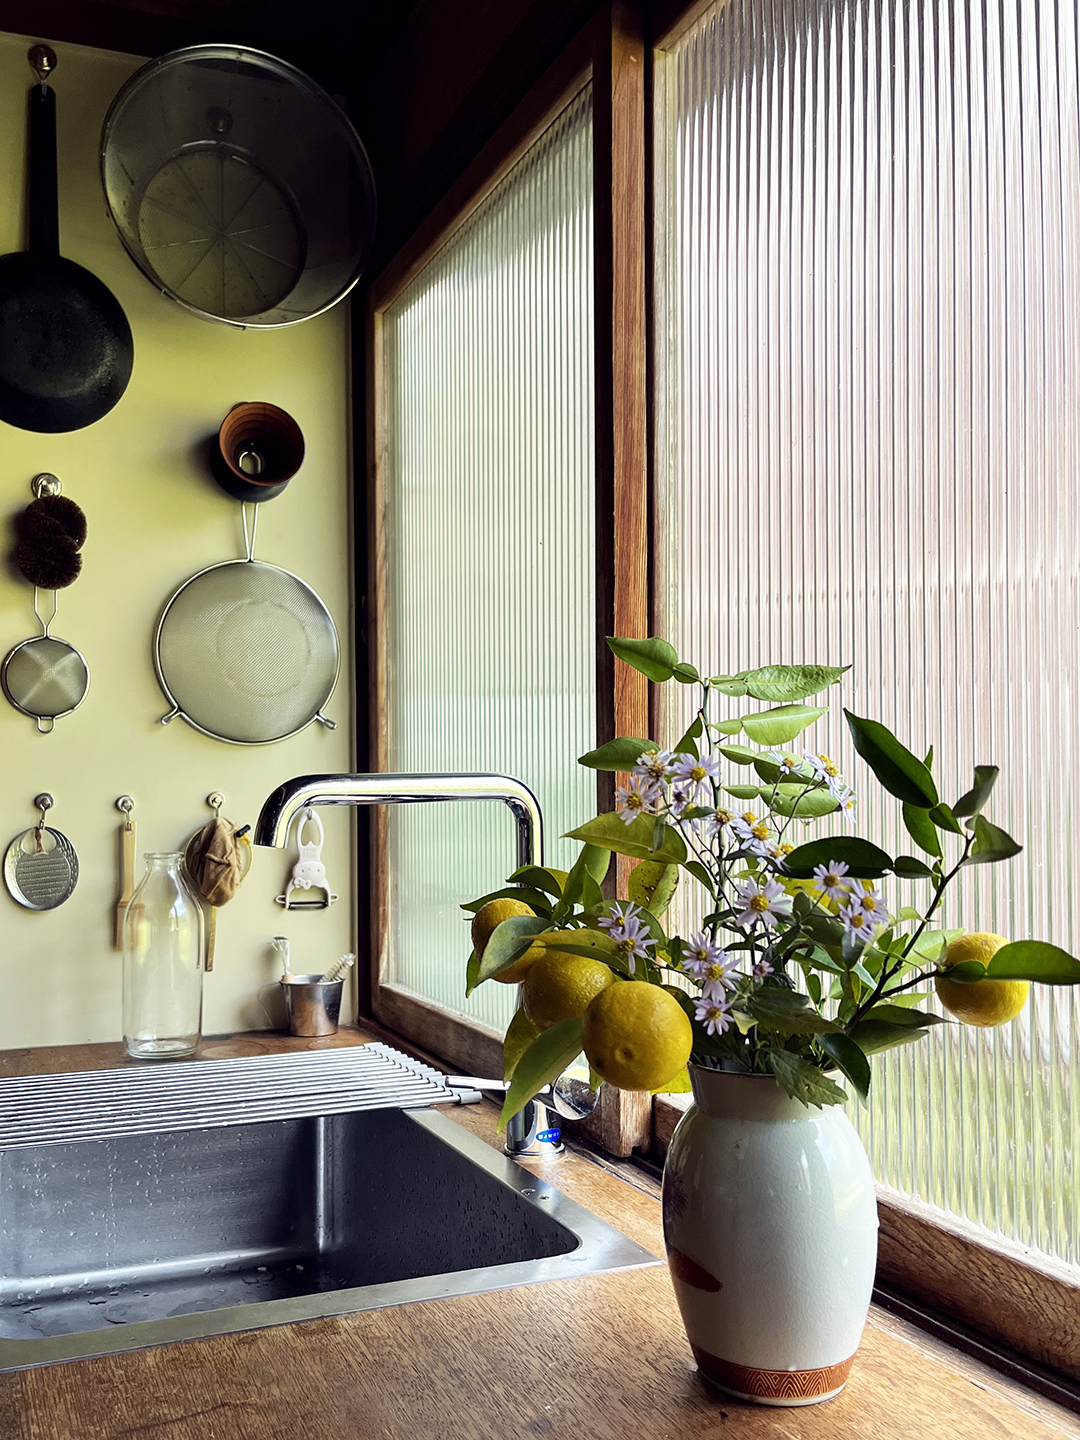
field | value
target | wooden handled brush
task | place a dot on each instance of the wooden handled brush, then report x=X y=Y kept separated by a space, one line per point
x=125 y=804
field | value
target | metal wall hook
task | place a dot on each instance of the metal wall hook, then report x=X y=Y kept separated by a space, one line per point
x=125 y=804
x=43 y=802
x=215 y=800
x=42 y=60
x=45 y=484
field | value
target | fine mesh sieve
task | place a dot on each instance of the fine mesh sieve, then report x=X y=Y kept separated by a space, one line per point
x=237 y=185
x=44 y=677
x=247 y=652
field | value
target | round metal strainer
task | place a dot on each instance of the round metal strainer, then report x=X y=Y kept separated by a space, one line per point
x=44 y=677
x=247 y=652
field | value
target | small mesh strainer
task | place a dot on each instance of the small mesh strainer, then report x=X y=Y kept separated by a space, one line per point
x=247 y=652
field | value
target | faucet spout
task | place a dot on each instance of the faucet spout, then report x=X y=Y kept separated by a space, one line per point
x=284 y=804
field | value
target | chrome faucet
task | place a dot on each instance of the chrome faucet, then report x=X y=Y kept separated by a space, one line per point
x=287 y=801
x=284 y=804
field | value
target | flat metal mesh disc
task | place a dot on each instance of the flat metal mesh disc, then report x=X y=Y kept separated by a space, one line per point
x=45 y=677
x=247 y=652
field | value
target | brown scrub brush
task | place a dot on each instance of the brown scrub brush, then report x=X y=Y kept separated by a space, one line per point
x=48 y=536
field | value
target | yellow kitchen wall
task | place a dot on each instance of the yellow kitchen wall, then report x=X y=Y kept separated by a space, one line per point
x=155 y=518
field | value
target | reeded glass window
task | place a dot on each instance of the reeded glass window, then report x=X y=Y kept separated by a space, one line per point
x=490 y=548
x=869 y=401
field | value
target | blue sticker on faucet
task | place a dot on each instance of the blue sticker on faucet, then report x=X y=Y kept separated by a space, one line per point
x=549 y=1137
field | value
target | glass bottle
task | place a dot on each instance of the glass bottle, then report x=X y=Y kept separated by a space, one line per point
x=163 y=963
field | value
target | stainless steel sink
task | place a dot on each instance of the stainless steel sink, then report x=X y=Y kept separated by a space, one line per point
x=118 y=1243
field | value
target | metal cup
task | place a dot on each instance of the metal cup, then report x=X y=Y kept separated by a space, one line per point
x=313 y=1004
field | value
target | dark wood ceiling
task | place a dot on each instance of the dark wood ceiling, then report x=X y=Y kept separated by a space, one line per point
x=334 y=42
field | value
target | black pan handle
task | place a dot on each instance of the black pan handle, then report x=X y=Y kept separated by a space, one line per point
x=44 y=226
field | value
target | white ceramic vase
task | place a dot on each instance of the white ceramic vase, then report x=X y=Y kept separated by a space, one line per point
x=770 y=1222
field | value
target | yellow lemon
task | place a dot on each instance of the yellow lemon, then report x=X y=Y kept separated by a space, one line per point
x=486 y=919
x=987 y=1002
x=637 y=1036
x=560 y=987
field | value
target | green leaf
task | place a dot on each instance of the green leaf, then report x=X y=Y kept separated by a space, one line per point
x=597 y=861
x=826 y=929
x=700 y=874
x=743 y=792
x=931 y=944
x=586 y=874
x=621 y=754
x=652 y=885
x=728 y=685
x=654 y=657
x=787 y=1012
x=538 y=877
x=899 y=1013
x=902 y=773
x=850 y=1059
x=803 y=1080
x=944 y=819
x=727 y=727
x=520 y=1034
x=740 y=754
x=608 y=832
x=688 y=744
x=991 y=844
x=544 y=1061
x=820 y=959
x=472 y=975
x=873 y=1036
x=975 y=798
x=781 y=684
x=908 y=868
x=1034 y=960
x=791 y=799
x=593 y=944
x=779 y=726
x=968 y=972
x=539 y=901
x=922 y=829
x=686 y=674
x=508 y=943
x=864 y=861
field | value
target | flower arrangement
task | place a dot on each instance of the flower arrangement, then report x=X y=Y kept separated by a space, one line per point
x=800 y=967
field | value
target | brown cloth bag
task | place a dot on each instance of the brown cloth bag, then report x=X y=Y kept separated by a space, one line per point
x=215 y=862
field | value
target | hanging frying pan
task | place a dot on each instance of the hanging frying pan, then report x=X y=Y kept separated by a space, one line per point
x=65 y=343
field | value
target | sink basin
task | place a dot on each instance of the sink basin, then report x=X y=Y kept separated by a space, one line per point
x=114 y=1244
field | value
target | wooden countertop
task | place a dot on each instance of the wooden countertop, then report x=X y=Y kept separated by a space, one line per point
x=598 y=1358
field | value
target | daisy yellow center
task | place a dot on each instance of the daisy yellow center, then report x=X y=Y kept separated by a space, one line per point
x=723 y=816
x=760 y=831
x=714 y=972
x=829 y=767
x=697 y=773
x=759 y=903
x=750 y=817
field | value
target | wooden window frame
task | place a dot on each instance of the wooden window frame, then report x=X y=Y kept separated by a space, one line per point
x=610 y=53
x=1016 y=1298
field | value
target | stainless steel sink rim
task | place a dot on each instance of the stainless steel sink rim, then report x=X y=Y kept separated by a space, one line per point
x=600 y=1248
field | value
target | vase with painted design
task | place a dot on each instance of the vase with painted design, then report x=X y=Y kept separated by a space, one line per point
x=770 y=1222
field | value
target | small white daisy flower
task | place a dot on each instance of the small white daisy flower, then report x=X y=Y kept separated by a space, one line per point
x=763 y=902
x=831 y=879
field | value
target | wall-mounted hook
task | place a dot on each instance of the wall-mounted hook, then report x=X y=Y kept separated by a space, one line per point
x=215 y=800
